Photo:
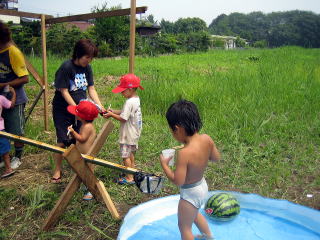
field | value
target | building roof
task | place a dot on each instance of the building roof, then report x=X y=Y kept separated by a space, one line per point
x=82 y=25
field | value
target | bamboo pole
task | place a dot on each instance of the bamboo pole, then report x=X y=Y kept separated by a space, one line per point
x=56 y=149
x=44 y=69
x=132 y=35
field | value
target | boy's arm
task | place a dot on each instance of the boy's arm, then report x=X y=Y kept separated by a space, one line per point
x=114 y=115
x=215 y=155
x=84 y=135
x=177 y=176
x=14 y=97
x=16 y=82
x=118 y=112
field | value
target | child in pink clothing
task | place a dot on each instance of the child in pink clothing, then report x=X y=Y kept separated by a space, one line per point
x=4 y=142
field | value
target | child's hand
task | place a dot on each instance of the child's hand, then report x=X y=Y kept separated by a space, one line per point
x=70 y=130
x=165 y=160
x=108 y=114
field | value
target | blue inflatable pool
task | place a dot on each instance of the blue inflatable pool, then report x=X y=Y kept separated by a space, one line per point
x=259 y=219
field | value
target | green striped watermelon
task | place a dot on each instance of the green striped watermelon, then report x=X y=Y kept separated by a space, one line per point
x=222 y=206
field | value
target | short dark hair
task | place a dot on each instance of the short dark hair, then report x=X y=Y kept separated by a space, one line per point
x=185 y=114
x=84 y=47
x=5 y=33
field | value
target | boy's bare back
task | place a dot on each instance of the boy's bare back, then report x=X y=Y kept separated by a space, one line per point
x=87 y=130
x=195 y=155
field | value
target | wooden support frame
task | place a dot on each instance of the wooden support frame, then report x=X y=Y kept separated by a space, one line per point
x=48 y=19
x=132 y=36
x=75 y=182
x=45 y=72
x=82 y=17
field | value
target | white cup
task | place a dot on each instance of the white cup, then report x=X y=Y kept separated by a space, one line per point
x=169 y=153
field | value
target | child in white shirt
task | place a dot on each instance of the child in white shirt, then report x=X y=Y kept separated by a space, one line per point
x=130 y=118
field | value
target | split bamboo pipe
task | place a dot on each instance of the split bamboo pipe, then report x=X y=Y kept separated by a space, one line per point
x=56 y=149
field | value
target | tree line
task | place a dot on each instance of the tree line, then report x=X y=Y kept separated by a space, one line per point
x=111 y=34
x=300 y=28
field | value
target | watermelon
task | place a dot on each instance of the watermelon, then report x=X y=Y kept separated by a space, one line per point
x=222 y=206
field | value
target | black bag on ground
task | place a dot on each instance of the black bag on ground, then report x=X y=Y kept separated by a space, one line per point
x=148 y=183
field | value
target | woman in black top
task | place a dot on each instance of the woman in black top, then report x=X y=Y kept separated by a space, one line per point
x=73 y=80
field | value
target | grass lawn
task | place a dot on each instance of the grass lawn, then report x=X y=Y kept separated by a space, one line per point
x=261 y=107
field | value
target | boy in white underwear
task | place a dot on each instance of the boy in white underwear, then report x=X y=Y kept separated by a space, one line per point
x=184 y=121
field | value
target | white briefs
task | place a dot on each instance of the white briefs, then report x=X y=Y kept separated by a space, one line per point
x=195 y=193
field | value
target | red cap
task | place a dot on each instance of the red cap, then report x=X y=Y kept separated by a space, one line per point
x=85 y=110
x=128 y=81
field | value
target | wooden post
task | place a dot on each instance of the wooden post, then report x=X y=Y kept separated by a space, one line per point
x=132 y=35
x=44 y=69
x=75 y=182
x=95 y=186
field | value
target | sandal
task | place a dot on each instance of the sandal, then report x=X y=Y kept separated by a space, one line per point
x=56 y=180
x=8 y=174
x=88 y=196
x=123 y=180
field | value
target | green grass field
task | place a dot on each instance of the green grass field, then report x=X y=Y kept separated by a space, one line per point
x=261 y=107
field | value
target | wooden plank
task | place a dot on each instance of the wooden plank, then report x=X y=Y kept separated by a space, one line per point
x=95 y=186
x=33 y=105
x=32 y=70
x=62 y=203
x=101 y=138
x=83 y=17
x=56 y=149
x=34 y=73
x=23 y=14
x=75 y=182
x=45 y=73
x=107 y=200
x=79 y=166
x=132 y=35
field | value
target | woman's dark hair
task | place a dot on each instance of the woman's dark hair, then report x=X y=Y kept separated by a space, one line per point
x=185 y=114
x=84 y=47
x=5 y=33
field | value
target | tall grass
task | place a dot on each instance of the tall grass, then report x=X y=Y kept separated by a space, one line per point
x=260 y=106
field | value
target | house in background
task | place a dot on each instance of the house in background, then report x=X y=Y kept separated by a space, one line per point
x=10 y=5
x=227 y=42
x=82 y=25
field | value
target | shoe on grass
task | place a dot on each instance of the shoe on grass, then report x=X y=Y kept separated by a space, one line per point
x=15 y=162
x=123 y=180
x=8 y=174
x=88 y=196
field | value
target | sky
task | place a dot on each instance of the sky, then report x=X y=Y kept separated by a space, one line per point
x=171 y=10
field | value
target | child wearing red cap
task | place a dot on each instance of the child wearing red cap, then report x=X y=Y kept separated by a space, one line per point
x=130 y=118
x=85 y=112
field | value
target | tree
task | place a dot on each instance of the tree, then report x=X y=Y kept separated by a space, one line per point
x=61 y=38
x=113 y=31
x=300 y=28
x=190 y=25
x=167 y=26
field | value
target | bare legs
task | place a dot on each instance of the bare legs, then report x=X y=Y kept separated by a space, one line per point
x=187 y=214
x=6 y=159
x=129 y=162
x=58 y=164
